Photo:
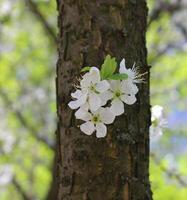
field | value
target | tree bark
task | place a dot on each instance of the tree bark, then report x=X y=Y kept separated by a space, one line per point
x=115 y=167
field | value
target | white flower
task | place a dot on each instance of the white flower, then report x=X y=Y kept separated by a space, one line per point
x=158 y=121
x=120 y=91
x=91 y=87
x=133 y=73
x=156 y=112
x=96 y=121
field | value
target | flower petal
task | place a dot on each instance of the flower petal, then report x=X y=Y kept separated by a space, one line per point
x=94 y=101
x=101 y=130
x=87 y=128
x=128 y=87
x=105 y=97
x=85 y=82
x=82 y=114
x=107 y=117
x=102 y=86
x=85 y=106
x=128 y=99
x=155 y=132
x=94 y=75
x=74 y=104
x=117 y=107
x=157 y=111
x=115 y=85
x=77 y=94
x=122 y=68
x=79 y=102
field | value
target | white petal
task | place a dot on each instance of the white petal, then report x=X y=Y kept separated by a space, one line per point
x=102 y=86
x=101 y=130
x=157 y=111
x=105 y=97
x=155 y=132
x=77 y=103
x=115 y=85
x=128 y=87
x=87 y=128
x=85 y=106
x=131 y=74
x=82 y=114
x=134 y=89
x=94 y=75
x=94 y=101
x=85 y=82
x=163 y=123
x=74 y=104
x=128 y=99
x=107 y=117
x=122 y=68
x=77 y=94
x=117 y=107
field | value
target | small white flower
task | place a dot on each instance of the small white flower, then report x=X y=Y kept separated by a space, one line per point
x=158 y=121
x=133 y=73
x=96 y=121
x=91 y=87
x=156 y=112
x=120 y=91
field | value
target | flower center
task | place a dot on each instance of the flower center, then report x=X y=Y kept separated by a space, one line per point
x=155 y=123
x=96 y=119
x=117 y=94
x=92 y=88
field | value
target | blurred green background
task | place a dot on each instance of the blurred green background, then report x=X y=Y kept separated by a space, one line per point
x=27 y=97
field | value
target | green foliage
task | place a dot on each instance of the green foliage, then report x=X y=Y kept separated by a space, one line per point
x=108 y=67
x=118 y=77
x=85 y=69
x=165 y=187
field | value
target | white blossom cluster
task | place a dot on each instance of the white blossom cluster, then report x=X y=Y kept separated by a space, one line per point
x=158 y=122
x=101 y=95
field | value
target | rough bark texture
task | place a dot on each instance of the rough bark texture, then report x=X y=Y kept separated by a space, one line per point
x=115 y=167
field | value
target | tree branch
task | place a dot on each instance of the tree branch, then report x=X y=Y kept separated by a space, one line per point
x=24 y=195
x=34 y=8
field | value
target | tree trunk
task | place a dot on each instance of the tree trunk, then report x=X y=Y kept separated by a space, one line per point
x=115 y=167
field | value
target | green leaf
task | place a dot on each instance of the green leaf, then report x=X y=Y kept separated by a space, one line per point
x=118 y=77
x=85 y=69
x=108 y=67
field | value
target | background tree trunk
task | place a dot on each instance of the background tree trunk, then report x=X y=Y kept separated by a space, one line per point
x=115 y=167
